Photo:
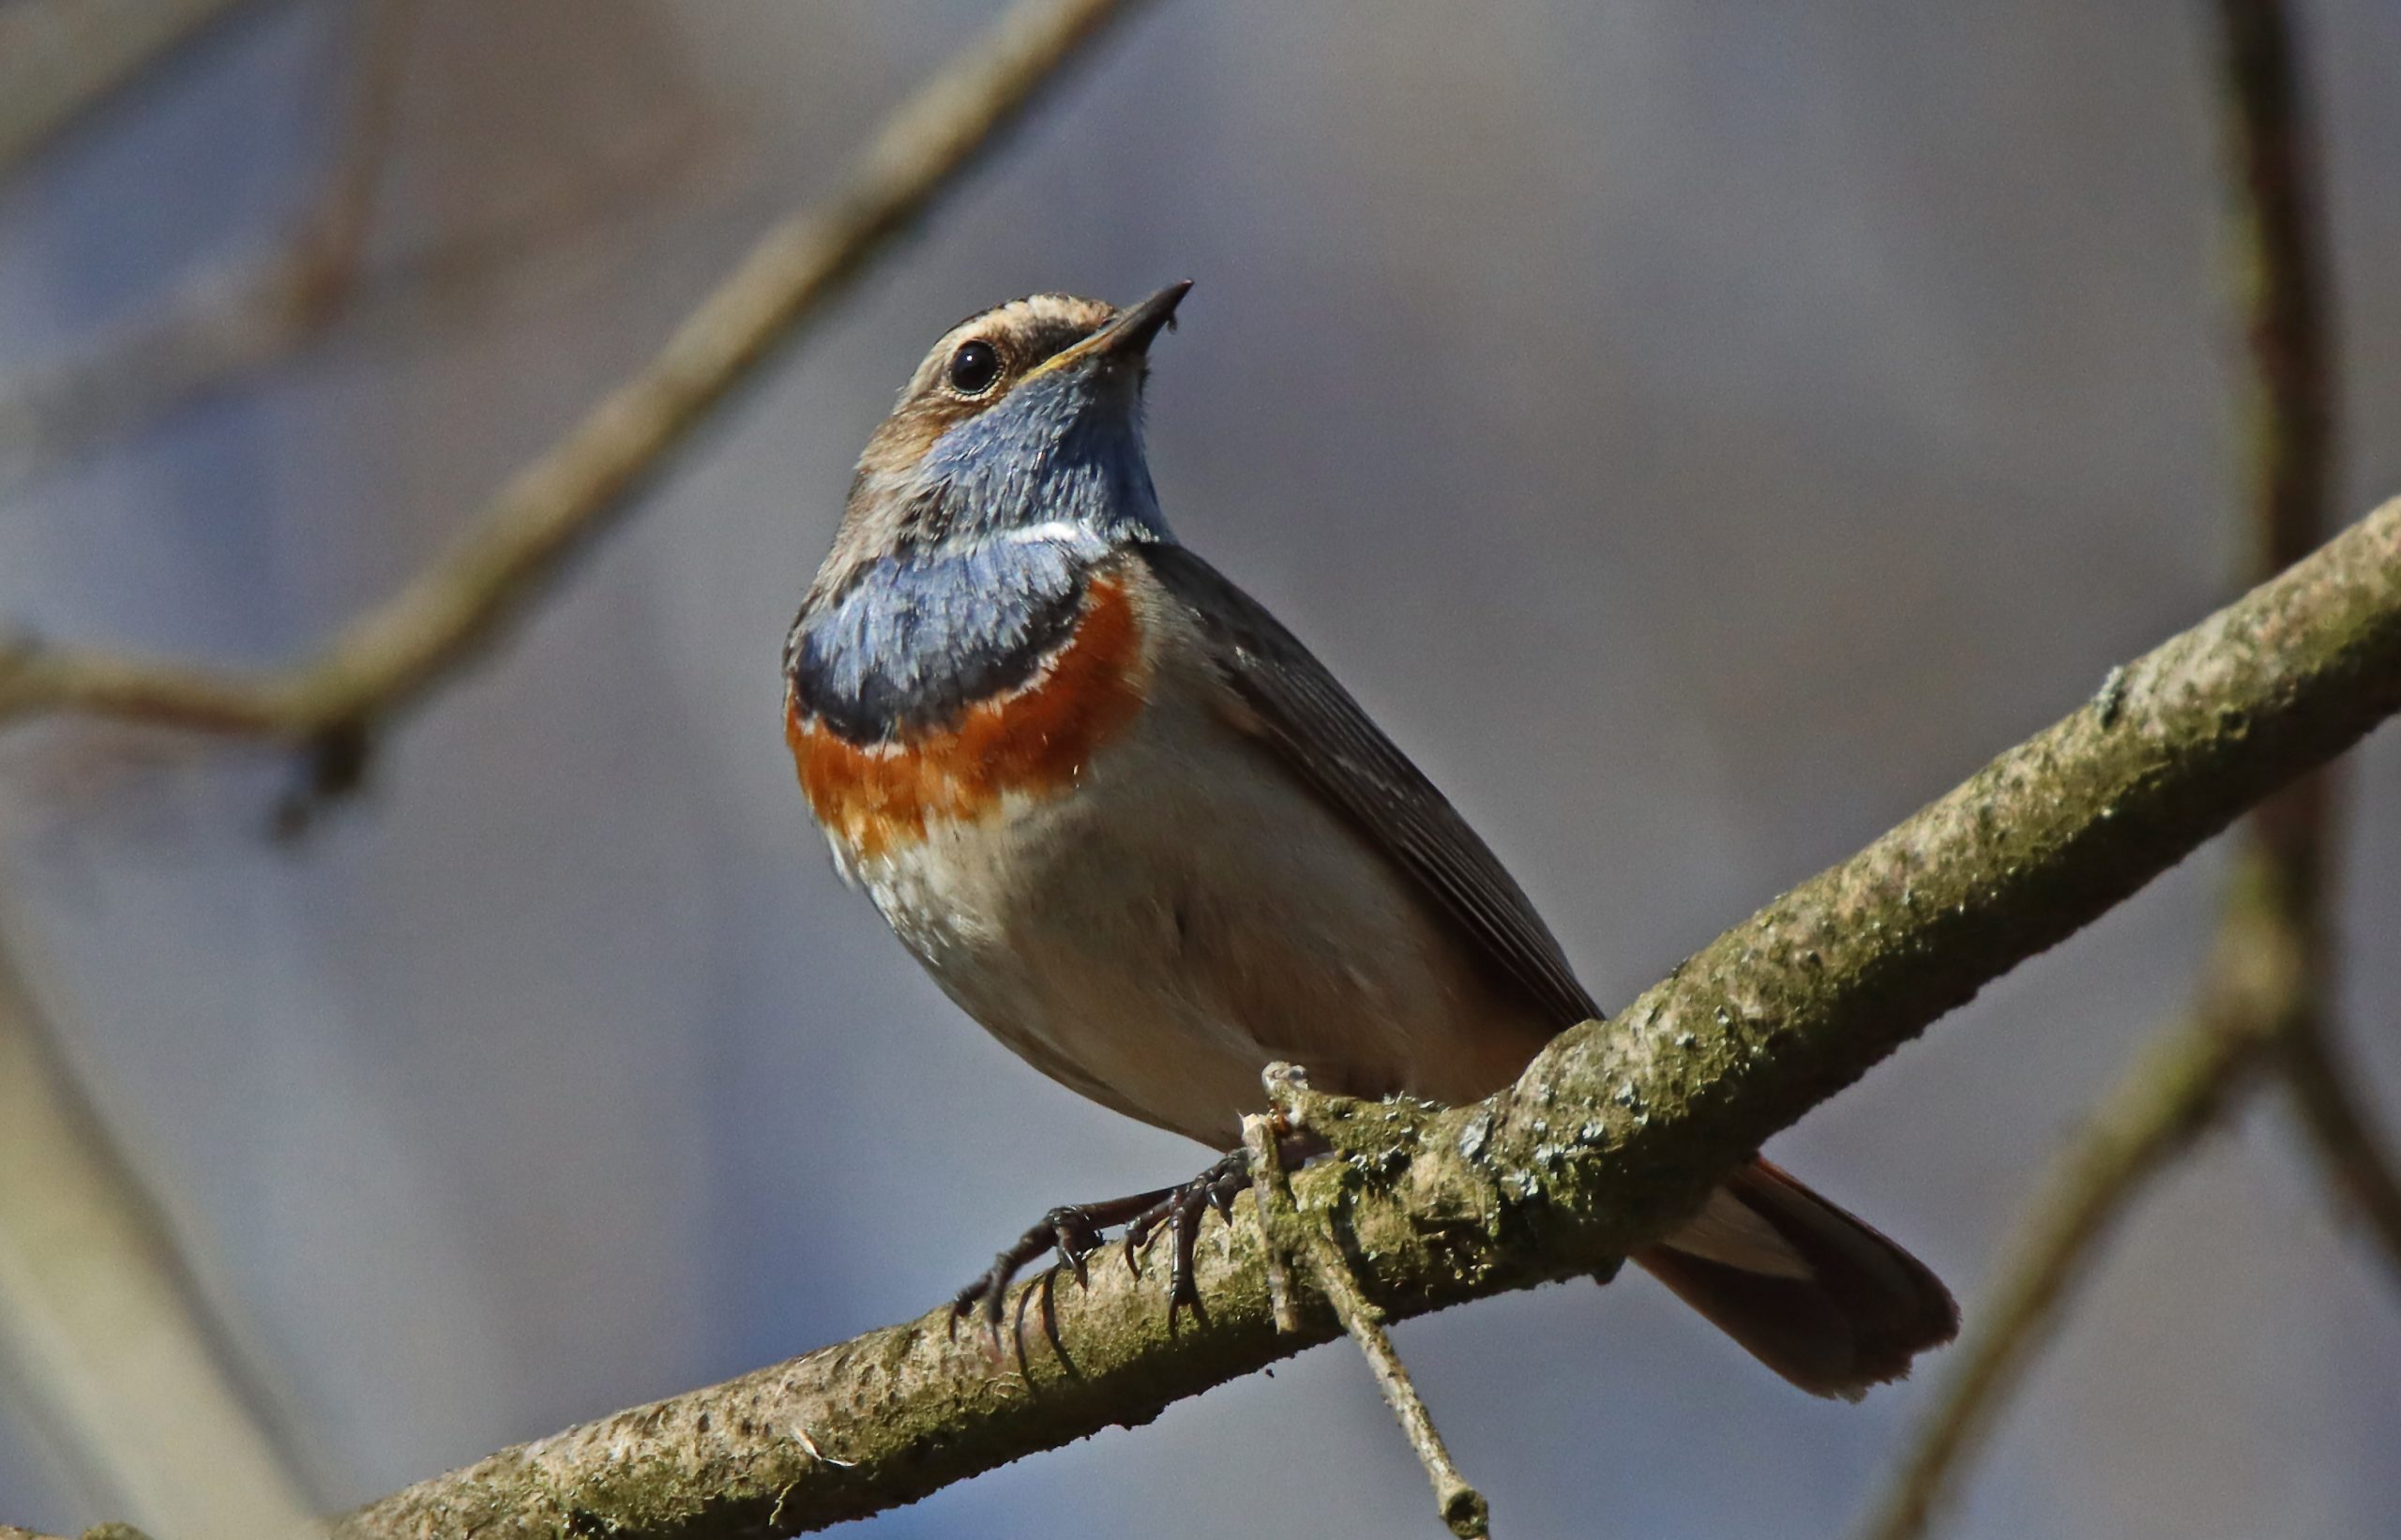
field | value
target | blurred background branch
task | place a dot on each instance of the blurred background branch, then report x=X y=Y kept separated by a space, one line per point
x=106 y=1338
x=110 y=1341
x=2280 y=250
x=60 y=58
x=2178 y=1090
x=550 y=511
x=231 y=323
x=2354 y=1153
x=2265 y=995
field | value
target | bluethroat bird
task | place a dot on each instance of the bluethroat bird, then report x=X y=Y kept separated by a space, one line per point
x=1131 y=825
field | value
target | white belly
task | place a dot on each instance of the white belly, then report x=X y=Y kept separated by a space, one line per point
x=1183 y=915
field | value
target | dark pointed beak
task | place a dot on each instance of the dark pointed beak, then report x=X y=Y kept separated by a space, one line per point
x=1127 y=335
x=1132 y=329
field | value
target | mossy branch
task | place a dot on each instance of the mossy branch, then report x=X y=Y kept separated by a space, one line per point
x=1613 y=1135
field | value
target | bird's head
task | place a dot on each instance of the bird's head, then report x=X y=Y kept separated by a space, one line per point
x=1025 y=420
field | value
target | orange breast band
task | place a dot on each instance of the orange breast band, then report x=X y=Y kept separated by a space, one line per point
x=1037 y=738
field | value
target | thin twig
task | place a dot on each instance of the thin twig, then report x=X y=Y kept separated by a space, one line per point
x=232 y=323
x=1613 y=1135
x=2264 y=1001
x=390 y=657
x=335 y=233
x=1271 y=1190
x=2357 y=1162
x=1462 y=1507
x=2277 y=243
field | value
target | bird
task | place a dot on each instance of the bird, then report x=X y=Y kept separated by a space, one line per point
x=1131 y=825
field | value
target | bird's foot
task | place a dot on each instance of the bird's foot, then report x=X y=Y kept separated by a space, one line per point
x=1181 y=1209
x=1073 y=1232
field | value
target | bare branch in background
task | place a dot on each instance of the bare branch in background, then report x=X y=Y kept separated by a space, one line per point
x=146 y=1451
x=2356 y=1160
x=233 y=323
x=93 y=1278
x=107 y=1340
x=2281 y=903
x=2281 y=241
x=392 y=657
x=2265 y=1000
x=1611 y=1138
x=2176 y=1092
x=224 y=330
x=60 y=58
x=2277 y=241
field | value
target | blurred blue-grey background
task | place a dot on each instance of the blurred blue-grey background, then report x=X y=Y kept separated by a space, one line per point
x=1701 y=434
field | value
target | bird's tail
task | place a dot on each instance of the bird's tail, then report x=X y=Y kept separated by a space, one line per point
x=1806 y=1288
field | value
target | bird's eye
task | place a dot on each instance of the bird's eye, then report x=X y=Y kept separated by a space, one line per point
x=974 y=368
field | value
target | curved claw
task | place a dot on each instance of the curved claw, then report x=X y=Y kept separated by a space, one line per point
x=1073 y=1232
x=1075 y=1237
x=1182 y=1289
x=1180 y=1211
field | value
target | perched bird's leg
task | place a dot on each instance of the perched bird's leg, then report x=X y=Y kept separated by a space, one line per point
x=1181 y=1209
x=1073 y=1229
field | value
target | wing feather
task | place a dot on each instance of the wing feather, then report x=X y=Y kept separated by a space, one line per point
x=1297 y=706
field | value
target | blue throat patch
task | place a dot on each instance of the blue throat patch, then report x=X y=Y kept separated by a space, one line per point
x=1044 y=456
x=1009 y=510
x=920 y=637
